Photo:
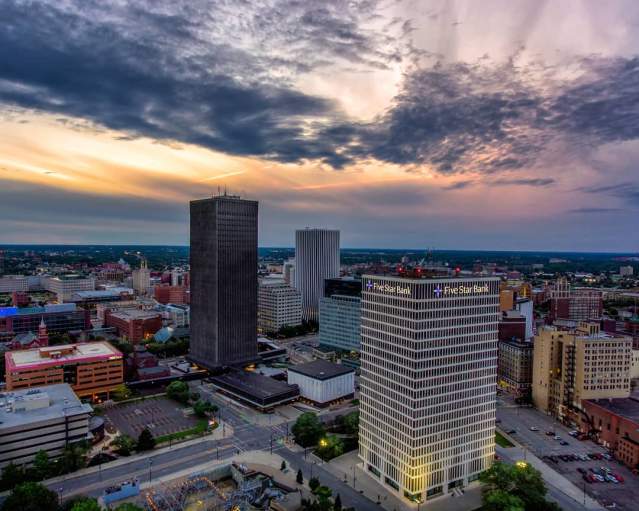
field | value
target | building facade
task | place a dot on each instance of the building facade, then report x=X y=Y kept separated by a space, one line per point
x=65 y=286
x=134 y=325
x=323 y=382
x=427 y=385
x=223 y=281
x=278 y=305
x=574 y=304
x=141 y=278
x=58 y=318
x=340 y=322
x=317 y=258
x=514 y=368
x=92 y=369
x=570 y=365
x=45 y=419
x=615 y=425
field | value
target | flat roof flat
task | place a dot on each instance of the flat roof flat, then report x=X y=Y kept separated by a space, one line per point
x=129 y=314
x=321 y=369
x=627 y=407
x=83 y=352
x=254 y=384
x=62 y=401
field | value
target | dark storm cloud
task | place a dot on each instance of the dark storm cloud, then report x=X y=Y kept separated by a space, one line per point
x=92 y=208
x=542 y=182
x=184 y=73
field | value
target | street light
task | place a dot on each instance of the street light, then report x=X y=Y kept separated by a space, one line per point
x=323 y=442
x=521 y=464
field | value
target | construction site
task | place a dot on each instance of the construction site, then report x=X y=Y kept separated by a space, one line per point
x=231 y=487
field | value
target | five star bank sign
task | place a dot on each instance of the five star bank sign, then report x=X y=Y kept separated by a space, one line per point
x=439 y=291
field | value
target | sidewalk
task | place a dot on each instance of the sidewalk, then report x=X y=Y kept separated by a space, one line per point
x=349 y=466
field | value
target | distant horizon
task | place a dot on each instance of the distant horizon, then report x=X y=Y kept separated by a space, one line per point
x=273 y=247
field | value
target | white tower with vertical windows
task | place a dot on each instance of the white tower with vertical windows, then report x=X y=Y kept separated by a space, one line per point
x=428 y=375
x=316 y=259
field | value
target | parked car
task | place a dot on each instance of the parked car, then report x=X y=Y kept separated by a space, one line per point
x=558 y=438
x=606 y=456
x=582 y=470
x=584 y=457
x=611 y=478
x=619 y=477
x=550 y=433
x=587 y=478
x=599 y=478
x=553 y=458
x=563 y=442
x=534 y=428
x=511 y=431
x=574 y=433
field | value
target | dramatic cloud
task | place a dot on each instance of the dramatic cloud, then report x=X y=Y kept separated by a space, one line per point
x=173 y=73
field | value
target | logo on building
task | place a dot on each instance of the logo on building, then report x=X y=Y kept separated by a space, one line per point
x=369 y=285
x=460 y=290
x=388 y=288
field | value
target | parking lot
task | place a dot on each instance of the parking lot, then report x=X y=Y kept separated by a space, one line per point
x=161 y=415
x=532 y=430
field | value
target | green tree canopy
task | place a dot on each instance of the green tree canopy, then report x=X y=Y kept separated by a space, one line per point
x=201 y=408
x=12 y=476
x=123 y=444
x=146 y=442
x=179 y=391
x=86 y=504
x=127 y=506
x=330 y=447
x=308 y=430
x=520 y=480
x=31 y=497
x=121 y=393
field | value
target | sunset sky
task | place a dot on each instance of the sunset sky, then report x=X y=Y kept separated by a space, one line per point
x=445 y=124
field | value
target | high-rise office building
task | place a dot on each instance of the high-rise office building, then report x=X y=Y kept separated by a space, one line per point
x=428 y=374
x=570 y=365
x=223 y=281
x=316 y=259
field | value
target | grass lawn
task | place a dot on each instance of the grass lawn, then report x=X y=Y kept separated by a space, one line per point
x=198 y=429
x=502 y=440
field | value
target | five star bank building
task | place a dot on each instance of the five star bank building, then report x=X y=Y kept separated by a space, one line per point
x=428 y=376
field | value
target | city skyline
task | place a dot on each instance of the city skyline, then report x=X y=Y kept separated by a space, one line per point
x=443 y=124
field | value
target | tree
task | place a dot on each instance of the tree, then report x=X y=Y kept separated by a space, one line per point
x=123 y=444
x=73 y=457
x=42 y=465
x=86 y=504
x=351 y=423
x=179 y=391
x=201 y=408
x=12 y=476
x=121 y=393
x=31 y=497
x=520 y=480
x=127 y=506
x=307 y=429
x=330 y=447
x=337 y=505
x=283 y=466
x=300 y=477
x=499 y=500
x=313 y=483
x=146 y=442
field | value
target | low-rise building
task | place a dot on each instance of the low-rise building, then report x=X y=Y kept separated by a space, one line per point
x=92 y=369
x=65 y=286
x=134 y=325
x=59 y=319
x=575 y=364
x=615 y=425
x=323 y=382
x=279 y=305
x=514 y=367
x=45 y=419
x=13 y=283
x=171 y=294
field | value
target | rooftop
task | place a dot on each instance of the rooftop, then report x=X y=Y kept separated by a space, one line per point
x=320 y=369
x=130 y=314
x=28 y=406
x=253 y=384
x=106 y=293
x=59 y=355
x=627 y=407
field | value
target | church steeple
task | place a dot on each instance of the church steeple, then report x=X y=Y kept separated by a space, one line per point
x=43 y=335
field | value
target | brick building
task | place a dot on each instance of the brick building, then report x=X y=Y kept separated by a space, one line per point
x=615 y=423
x=134 y=325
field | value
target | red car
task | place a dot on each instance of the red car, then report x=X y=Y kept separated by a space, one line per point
x=618 y=477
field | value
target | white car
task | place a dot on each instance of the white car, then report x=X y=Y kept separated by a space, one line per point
x=558 y=438
x=534 y=428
